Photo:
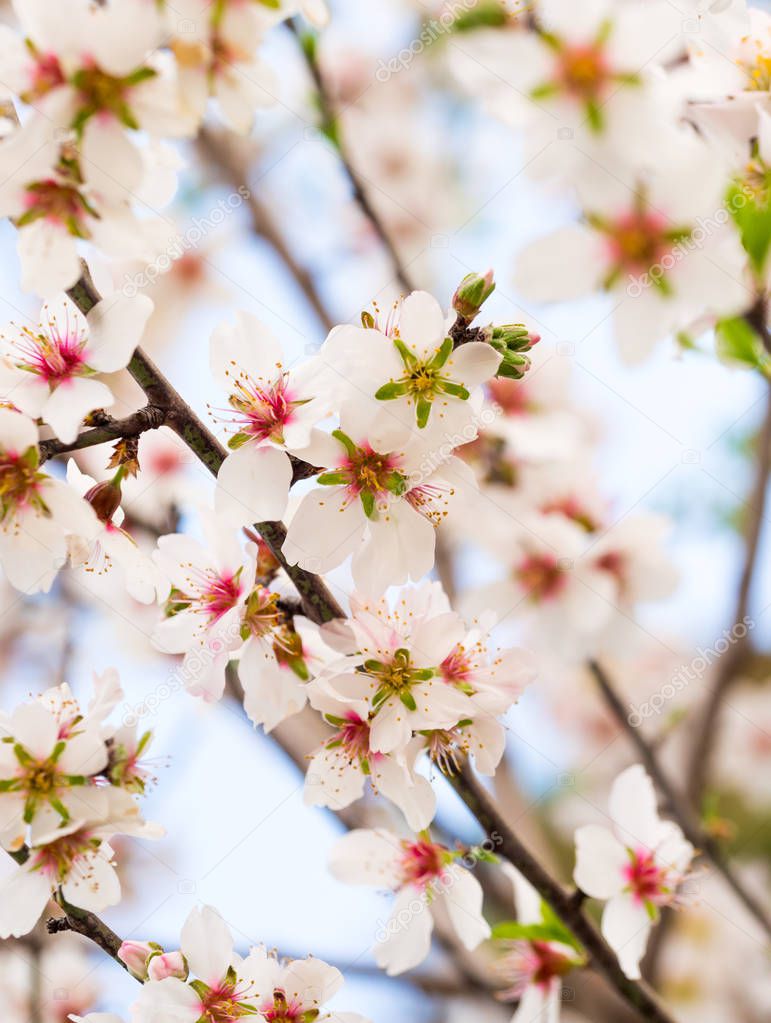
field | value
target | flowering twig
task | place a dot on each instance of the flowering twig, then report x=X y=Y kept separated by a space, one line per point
x=707 y=731
x=676 y=803
x=330 y=126
x=567 y=905
x=319 y=603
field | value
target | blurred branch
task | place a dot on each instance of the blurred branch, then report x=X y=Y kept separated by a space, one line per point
x=706 y=733
x=567 y=905
x=87 y=924
x=677 y=804
x=330 y=126
x=220 y=150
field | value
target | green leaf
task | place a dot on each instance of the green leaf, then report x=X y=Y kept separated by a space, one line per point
x=753 y=220
x=737 y=341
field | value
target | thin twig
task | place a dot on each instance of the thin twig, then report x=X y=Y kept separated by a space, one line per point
x=706 y=732
x=330 y=126
x=677 y=804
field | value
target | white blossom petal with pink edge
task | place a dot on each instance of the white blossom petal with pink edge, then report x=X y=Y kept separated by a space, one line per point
x=421 y=323
x=167 y=1001
x=626 y=926
x=367 y=857
x=115 y=329
x=538 y=1005
x=632 y=806
x=111 y=163
x=405 y=939
x=600 y=861
x=332 y=780
x=23 y=897
x=207 y=944
x=92 y=883
x=567 y=264
x=49 y=258
x=462 y=896
x=325 y=529
x=71 y=402
x=253 y=486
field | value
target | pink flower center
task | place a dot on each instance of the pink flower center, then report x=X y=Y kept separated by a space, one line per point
x=421 y=862
x=281 y=1010
x=47 y=74
x=58 y=202
x=223 y=1004
x=353 y=737
x=533 y=963
x=263 y=411
x=456 y=667
x=638 y=241
x=370 y=471
x=19 y=481
x=57 y=859
x=646 y=879
x=55 y=355
x=541 y=577
x=220 y=595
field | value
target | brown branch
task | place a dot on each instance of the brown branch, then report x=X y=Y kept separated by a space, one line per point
x=220 y=151
x=567 y=905
x=151 y=417
x=319 y=603
x=677 y=804
x=330 y=126
x=706 y=733
x=89 y=926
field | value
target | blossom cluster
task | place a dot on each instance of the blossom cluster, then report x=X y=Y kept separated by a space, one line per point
x=68 y=782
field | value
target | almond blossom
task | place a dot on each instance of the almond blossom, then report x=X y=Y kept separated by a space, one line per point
x=227 y=987
x=379 y=500
x=533 y=966
x=37 y=512
x=424 y=875
x=50 y=371
x=410 y=369
x=75 y=859
x=272 y=410
x=637 y=866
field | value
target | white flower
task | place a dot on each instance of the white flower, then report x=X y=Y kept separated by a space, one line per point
x=663 y=247
x=380 y=500
x=534 y=967
x=37 y=512
x=424 y=875
x=216 y=56
x=392 y=666
x=227 y=986
x=206 y=603
x=637 y=866
x=50 y=371
x=76 y=858
x=410 y=372
x=272 y=410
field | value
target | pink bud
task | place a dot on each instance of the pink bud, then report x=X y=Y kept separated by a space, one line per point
x=134 y=955
x=168 y=964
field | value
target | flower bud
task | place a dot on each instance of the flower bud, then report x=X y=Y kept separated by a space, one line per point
x=471 y=293
x=514 y=337
x=167 y=964
x=134 y=956
x=104 y=498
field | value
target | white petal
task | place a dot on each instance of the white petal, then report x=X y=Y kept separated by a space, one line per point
x=92 y=883
x=368 y=857
x=632 y=806
x=626 y=927
x=421 y=323
x=253 y=485
x=565 y=265
x=473 y=364
x=324 y=530
x=600 y=860
x=207 y=944
x=463 y=898
x=23 y=897
x=405 y=940
x=49 y=258
x=115 y=327
x=71 y=402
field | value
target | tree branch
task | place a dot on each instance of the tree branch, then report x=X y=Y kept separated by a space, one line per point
x=319 y=603
x=330 y=126
x=706 y=733
x=567 y=905
x=678 y=806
